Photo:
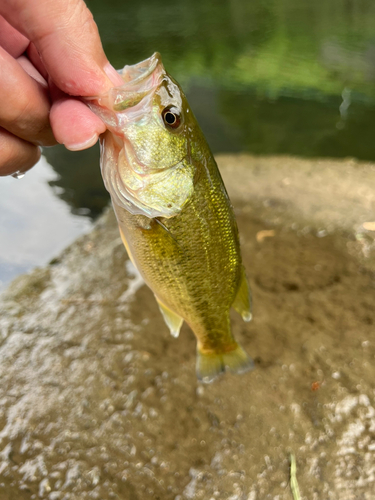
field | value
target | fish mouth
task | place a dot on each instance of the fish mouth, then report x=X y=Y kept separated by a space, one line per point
x=136 y=74
x=140 y=80
x=134 y=184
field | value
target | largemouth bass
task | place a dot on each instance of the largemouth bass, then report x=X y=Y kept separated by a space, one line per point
x=173 y=211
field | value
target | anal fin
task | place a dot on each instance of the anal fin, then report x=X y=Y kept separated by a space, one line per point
x=242 y=302
x=173 y=320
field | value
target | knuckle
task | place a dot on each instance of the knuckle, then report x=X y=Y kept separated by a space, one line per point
x=29 y=123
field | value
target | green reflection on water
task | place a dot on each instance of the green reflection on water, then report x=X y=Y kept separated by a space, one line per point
x=262 y=76
x=274 y=45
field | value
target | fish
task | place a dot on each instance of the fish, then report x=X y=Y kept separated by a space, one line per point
x=173 y=211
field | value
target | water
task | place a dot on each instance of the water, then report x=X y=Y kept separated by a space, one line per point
x=97 y=400
x=34 y=223
x=268 y=77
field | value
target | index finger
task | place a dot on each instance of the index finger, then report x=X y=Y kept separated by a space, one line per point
x=67 y=39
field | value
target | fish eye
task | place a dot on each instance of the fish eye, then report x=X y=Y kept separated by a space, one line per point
x=171 y=117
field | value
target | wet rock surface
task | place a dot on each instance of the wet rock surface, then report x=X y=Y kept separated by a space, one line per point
x=98 y=401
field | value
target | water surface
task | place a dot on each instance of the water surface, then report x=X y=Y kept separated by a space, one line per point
x=35 y=224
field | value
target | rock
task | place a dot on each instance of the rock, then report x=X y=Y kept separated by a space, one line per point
x=97 y=400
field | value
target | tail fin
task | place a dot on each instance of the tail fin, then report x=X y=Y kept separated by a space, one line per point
x=211 y=365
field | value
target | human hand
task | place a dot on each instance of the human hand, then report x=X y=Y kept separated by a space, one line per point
x=50 y=51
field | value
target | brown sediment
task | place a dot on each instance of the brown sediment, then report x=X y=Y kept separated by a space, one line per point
x=99 y=401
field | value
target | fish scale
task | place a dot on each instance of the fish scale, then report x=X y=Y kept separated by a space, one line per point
x=179 y=228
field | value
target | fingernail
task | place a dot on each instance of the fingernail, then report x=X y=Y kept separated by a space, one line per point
x=82 y=145
x=113 y=75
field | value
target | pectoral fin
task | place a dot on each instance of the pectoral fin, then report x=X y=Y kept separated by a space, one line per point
x=242 y=302
x=127 y=247
x=173 y=320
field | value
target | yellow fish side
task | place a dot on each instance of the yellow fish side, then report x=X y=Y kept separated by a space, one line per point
x=192 y=263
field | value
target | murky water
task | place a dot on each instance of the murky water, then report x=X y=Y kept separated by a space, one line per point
x=269 y=77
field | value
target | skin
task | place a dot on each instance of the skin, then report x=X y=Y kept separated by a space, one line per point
x=50 y=53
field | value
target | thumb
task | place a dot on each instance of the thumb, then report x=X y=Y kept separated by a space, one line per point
x=67 y=39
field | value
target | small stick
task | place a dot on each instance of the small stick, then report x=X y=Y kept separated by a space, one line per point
x=293 y=478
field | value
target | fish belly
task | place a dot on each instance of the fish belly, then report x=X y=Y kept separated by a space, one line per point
x=193 y=265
